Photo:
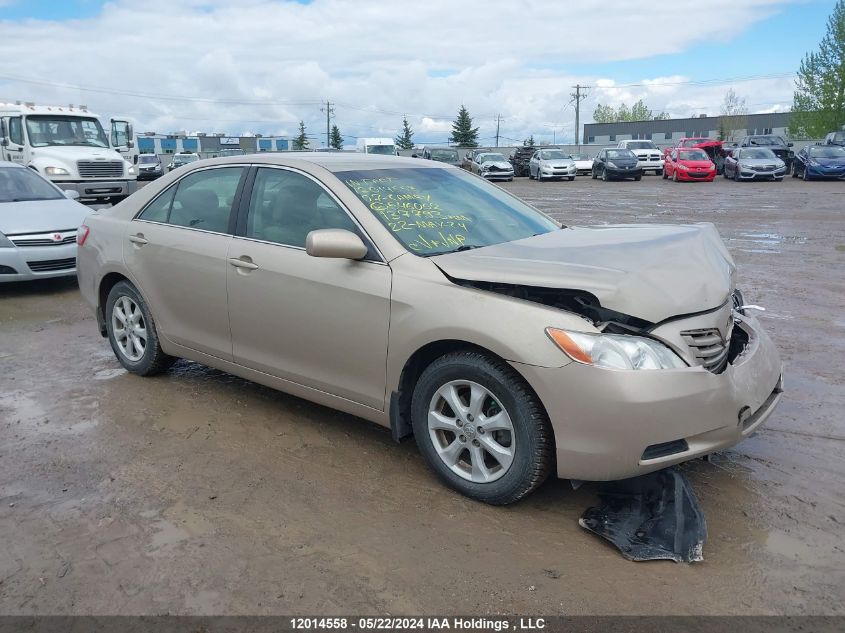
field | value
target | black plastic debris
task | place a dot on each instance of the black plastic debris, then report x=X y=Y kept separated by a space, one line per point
x=652 y=517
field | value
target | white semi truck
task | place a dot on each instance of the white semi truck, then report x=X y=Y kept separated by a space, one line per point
x=376 y=146
x=69 y=146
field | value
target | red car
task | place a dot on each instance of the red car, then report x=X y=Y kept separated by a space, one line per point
x=688 y=163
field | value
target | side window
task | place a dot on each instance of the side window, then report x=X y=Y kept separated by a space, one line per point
x=204 y=199
x=159 y=209
x=16 y=130
x=286 y=206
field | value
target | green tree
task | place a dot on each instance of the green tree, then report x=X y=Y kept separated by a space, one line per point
x=662 y=116
x=405 y=140
x=733 y=116
x=640 y=112
x=301 y=141
x=463 y=134
x=335 y=139
x=604 y=114
x=529 y=142
x=818 y=105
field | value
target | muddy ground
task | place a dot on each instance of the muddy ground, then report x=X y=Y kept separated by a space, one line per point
x=199 y=493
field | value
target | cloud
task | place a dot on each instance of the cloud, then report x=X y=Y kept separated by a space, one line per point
x=263 y=65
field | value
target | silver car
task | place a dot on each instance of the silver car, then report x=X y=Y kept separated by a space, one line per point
x=751 y=163
x=550 y=164
x=492 y=166
x=424 y=299
x=38 y=226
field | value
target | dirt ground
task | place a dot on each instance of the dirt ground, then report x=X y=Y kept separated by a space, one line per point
x=199 y=493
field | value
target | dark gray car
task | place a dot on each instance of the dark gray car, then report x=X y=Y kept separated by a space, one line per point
x=448 y=155
x=776 y=143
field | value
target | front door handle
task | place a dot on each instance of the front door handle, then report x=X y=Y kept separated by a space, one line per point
x=243 y=262
x=138 y=239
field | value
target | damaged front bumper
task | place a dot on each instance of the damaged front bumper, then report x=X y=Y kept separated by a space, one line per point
x=614 y=424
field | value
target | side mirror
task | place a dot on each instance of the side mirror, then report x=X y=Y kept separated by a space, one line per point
x=3 y=136
x=790 y=144
x=335 y=243
x=415 y=155
x=71 y=194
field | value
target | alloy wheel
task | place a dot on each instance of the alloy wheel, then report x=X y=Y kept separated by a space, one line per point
x=470 y=431
x=129 y=328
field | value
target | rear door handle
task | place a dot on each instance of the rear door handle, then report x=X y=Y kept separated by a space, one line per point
x=243 y=262
x=138 y=239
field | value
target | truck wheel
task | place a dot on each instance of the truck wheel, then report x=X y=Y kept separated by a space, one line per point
x=481 y=428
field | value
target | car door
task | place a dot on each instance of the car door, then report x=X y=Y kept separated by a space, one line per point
x=730 y=162
x=176 y=251
x=318 y=322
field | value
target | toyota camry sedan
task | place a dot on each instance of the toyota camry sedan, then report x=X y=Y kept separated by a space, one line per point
x=429 y=301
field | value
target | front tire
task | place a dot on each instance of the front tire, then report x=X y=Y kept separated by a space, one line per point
x=804 y=175
x=132 y=332
x=481 y=428
x=604 y=175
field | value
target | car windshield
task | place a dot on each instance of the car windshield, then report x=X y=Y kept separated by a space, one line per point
x=693 y=154
x=436 y=211
x=839 y=136
x=641 y=145
x=444 y=155
x=620 y=153
x=65 y=130
x=388 y=150
x=487 y=158
x=554 y=154
x=18 y=184
x=758 y=153
x=692 y=142
x=830 y=151
x=147 y=158
x=766 y=140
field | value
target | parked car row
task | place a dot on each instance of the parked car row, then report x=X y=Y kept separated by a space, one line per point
x=150 y=166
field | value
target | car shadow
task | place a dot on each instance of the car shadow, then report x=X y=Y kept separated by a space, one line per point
x=54 y=286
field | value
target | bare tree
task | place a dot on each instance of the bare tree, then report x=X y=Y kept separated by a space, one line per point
x=734 y=116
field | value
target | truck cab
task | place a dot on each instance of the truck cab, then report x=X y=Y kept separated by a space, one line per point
x=383 y=146
x=648 y=155
x=69 y=146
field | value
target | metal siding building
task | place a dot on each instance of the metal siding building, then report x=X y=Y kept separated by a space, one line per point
x=674 y=129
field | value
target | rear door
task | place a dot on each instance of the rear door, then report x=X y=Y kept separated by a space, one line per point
x=176 y=251
x=318 y=322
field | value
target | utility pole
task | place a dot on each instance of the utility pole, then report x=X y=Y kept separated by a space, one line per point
x=498 y=119
x=329 y=110
x=577 y=97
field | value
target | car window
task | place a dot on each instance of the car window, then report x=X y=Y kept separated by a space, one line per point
x=16 y=130
x=286 y=206
x=201 y=200
x=18 y=184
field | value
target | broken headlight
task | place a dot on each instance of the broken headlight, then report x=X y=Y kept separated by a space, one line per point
x=615 y=351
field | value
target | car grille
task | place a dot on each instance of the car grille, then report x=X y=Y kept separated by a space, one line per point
x=709 y=347
x=698 y=174
x=763 y=168
x=44 y=239
x=100 y=168
x=50 y=265
x=650 y=157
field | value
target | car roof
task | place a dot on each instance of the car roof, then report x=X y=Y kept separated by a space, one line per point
x=348 y=161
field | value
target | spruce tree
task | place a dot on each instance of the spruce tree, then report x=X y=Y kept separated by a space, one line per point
x=405 y=140
x=301 y=141
x=818 y=105
x=529 y=142
x=463 y=134
x=335 y=139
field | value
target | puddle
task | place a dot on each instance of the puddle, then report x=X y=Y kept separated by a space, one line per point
x=769 y=238
x=106 y=374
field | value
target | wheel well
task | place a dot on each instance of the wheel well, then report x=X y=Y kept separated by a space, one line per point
x=400 y=400
x=106 y=284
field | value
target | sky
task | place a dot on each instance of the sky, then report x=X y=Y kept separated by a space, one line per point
x=261 y=66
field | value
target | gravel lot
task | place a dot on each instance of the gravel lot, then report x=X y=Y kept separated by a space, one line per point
x=199 y=493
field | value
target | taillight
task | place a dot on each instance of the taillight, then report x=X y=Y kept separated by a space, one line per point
x=82 y=235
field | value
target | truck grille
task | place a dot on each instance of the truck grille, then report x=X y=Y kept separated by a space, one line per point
x=50 y=265
x=100 y=168
x=709 y=347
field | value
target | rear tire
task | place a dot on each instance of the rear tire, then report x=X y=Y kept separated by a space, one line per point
x=132 y=332
x=497 y=466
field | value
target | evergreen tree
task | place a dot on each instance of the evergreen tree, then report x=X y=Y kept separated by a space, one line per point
x=335 y=139
x=301 y=141
x=405 y=140
x=529 y=142
x=818 y=105
x=463 y=134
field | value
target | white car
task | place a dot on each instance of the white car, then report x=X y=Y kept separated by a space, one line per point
x=649 y=157
x=492 y=166
x=583 y=163
x=548 y=164
x=38 y=226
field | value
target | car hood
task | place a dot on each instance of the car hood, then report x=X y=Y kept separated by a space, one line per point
x=645 y=152
x=829 y=162
x=777 y=162
x=563 y=163
x=697 y=164
x=499 y=164
x=649 y=271
x=41 y=216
